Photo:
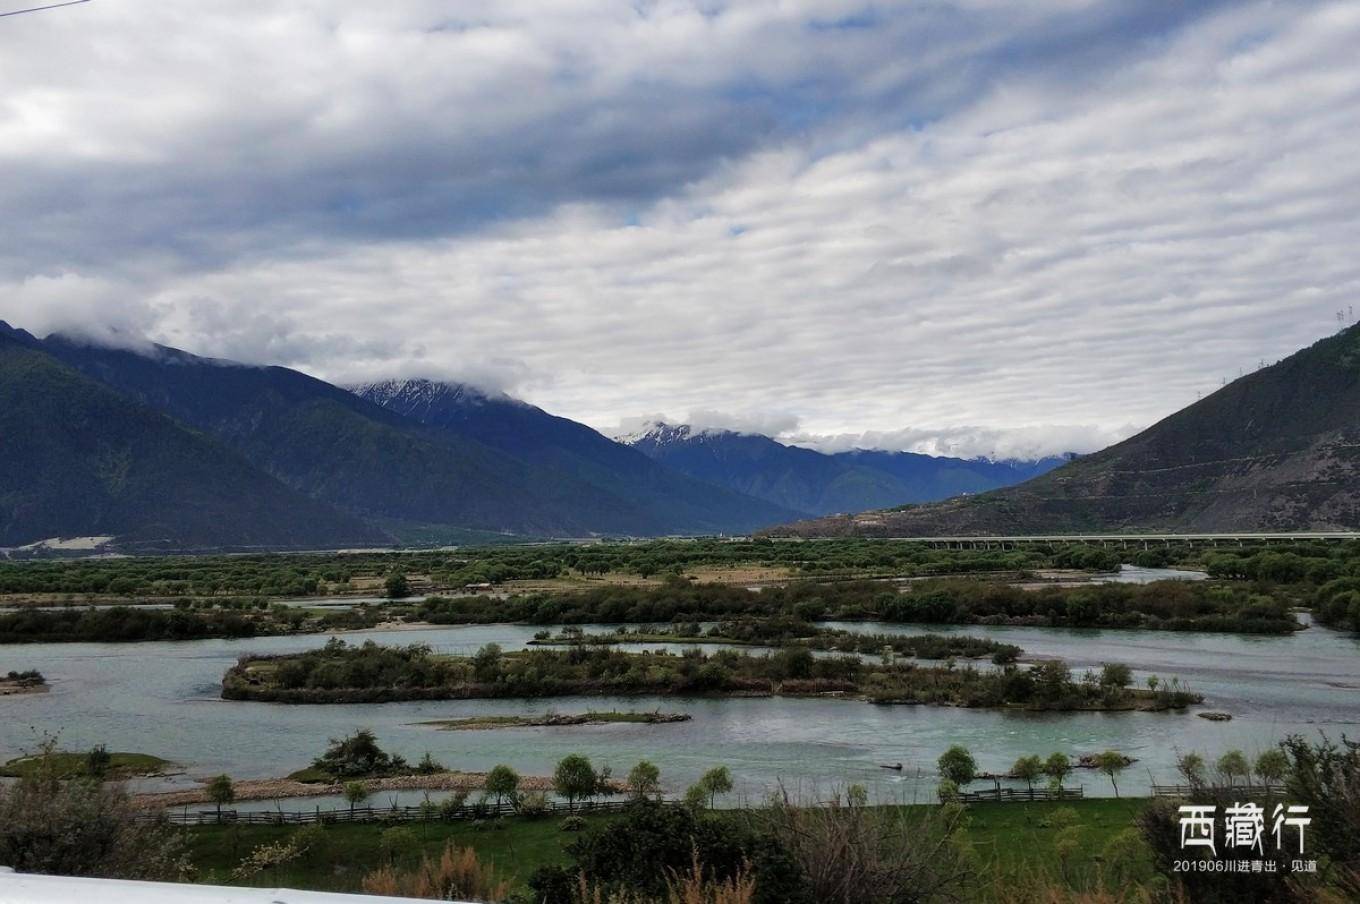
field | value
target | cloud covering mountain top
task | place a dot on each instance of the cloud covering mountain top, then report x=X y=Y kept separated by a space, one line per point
x=1049 y=220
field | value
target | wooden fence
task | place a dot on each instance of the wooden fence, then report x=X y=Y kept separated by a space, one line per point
x=1244 y=790
x=1020 y=794
x=436 y=813
x=433 y=813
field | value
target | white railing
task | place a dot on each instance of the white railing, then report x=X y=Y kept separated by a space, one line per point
x=23 y=888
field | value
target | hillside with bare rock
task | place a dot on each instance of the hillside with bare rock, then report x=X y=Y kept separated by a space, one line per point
x=1278 y=449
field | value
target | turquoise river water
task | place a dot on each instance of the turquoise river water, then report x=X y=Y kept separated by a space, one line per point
x=162 y=698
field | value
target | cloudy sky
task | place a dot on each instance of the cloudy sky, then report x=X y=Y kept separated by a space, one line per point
x=976 y=226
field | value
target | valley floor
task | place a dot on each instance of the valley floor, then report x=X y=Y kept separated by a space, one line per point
x=1014 y=845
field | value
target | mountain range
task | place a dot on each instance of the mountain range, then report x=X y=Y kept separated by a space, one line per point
x=810 y=481
x=644 y=497
x=79 y=459
x=1277 y=450
x=165 y=450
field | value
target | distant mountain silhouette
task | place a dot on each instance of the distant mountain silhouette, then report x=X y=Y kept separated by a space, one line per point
x=415 y=459
x=818 y=483
x=664 y=500
x=1278 y=449
x=391 y=469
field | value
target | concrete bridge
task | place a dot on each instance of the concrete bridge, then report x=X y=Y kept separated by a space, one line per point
x=1124 y=541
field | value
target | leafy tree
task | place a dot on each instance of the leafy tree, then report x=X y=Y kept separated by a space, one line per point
x=428 y=765
x=1053 y=678
x=503 y=782
x=486 y=663
x=714 y=782
x=1112 y=762
x=98 y=761
x=221 y=791
x=398 y=588
x=649 y=843
x=1191 y=766
x=1028 y=768
x=1116 y=675
x=1233 y=764
x=1272 y=766
x=575 y=779
x=356 y=793
x=82 y=828
x=644 y=779
x=957 y=765
x=1325 y=777
x=1058 y=767
x=357 y=755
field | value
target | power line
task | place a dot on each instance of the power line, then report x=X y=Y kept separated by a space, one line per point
x=38 y=9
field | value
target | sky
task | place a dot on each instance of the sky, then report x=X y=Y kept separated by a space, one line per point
x=976 y=227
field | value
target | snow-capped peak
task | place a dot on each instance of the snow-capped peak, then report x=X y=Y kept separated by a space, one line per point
x=422 y=392
x=661 y=433
x=658 y=432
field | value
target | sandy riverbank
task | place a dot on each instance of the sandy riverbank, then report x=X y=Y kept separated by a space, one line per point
x=280 y=789
x=14 y=688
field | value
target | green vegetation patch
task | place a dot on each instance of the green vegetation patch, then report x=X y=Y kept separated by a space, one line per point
x=65 y=764
x=1084 y=843
x=555 y=720
x=358 y=756
x=370 y=673
x=1163 y=605
x=784 y=631
x=339 y=856
x=1014 y=844
x=223 y=618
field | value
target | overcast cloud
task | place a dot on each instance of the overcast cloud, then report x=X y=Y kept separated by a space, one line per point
x=978 y=227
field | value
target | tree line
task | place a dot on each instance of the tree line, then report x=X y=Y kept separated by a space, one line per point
x=370 y=673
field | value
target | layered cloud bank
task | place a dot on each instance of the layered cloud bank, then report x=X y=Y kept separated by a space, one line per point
x=839 y=220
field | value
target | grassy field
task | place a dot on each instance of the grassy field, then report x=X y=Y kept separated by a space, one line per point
x=343 y=854
x=1017 y=844
x=71 y=765
x=1013 y=843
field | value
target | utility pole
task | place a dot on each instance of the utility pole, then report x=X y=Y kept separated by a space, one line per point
x=38 y=9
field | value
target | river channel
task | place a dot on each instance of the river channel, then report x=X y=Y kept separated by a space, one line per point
x=162 y=698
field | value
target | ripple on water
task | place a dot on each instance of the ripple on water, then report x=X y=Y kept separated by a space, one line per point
x=161 y=698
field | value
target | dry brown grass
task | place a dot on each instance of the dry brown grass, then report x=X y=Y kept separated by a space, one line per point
x=852 y=853
x=456 y=875
x=1012 y=891
x=740 y=574
x=707 y=574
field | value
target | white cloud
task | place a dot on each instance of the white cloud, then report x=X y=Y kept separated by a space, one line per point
x=769 y=423
x=931 y=221
x=1023 y=443
x=90 y=308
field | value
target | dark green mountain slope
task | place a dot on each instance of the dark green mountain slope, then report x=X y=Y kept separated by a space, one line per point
x=78 y=459
x=1276 y=450
x=336 y=447
x=672 y=501
x=380 y=464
